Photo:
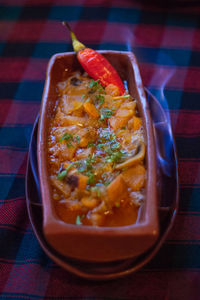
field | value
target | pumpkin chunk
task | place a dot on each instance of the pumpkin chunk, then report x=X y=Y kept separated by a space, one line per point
x=112 y=90
x=137 y=123
x=116 y=122
x=134 y=177
x=82 y=181
x=91 y=110
x=116 y=189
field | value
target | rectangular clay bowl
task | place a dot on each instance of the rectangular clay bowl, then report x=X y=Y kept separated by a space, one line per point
x=88 y=242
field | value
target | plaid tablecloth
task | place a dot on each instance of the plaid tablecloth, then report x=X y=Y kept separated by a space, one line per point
x=166 y=40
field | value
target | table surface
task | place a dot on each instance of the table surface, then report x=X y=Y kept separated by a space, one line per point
x=166 y=41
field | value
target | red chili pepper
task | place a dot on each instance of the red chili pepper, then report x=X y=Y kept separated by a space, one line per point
x=95 y=64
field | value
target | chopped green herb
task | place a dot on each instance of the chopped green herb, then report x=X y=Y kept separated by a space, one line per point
x=100 y=145
x=90 y=145
x=69 y=167
x=78 y=139
x=105 y=113
x=90 y=160
x=66 y=137
x=62 y=174
x=113 y=137
x=97 y=190
x=115 y=146
x=91 y=179
x=81 y=169
x=77 y=163
x=69 y=145
x=107 y=183
x=106 y=134
x=115 y=157
x=95 y=85
x=117 y=204
x=109 y=150
x=123 y=127
x=78 y=220
x=101 y=99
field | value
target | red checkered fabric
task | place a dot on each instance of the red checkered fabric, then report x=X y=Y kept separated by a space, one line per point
x=166 y=40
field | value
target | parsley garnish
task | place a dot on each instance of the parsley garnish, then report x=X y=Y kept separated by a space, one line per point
x=105 y=113
x=115 y=157
x=64 y=172
x=78 y=139
x=115 y=146
x=66 y=137
x=96 y=190
x=90 y=144
x=91 y=179
x=95 y=85
x=101 y=99
x=79 y=219
x=89 y=161
x=69 y=145
x=86 y=167
x=81 y=169
x=107 y=183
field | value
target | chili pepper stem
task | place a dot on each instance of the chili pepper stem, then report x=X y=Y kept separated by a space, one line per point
x=77 y=46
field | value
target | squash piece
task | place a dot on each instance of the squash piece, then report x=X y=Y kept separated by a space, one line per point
x=59 y=132
x=82 y=181
x=124 y=113
x=116 y=122
x=91 y=110
x=90 y=202
x=129 y=105
x=134 y=177
x=77 y=180
x=116 y=190
x=66 y=152
x=112 y=90
x=83 y=142
x=73 y=120
x=67 y=104
x=137 y=123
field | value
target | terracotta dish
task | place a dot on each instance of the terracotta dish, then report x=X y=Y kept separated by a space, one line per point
x=92 y=243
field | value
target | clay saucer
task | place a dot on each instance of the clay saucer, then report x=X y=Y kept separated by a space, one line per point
x=167 y=207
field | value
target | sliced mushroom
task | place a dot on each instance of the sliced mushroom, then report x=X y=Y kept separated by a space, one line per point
x=135 y=159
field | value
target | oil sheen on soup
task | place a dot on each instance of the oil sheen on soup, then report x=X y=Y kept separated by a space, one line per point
x=96 y=153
